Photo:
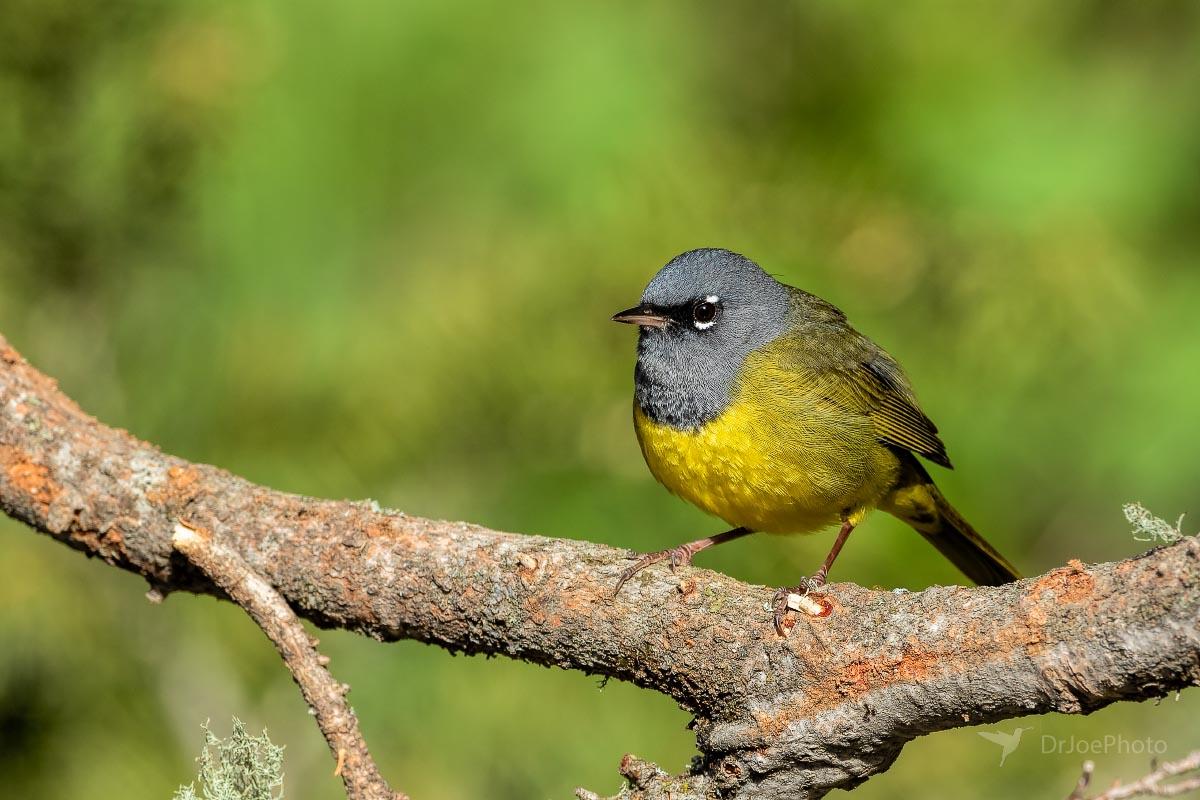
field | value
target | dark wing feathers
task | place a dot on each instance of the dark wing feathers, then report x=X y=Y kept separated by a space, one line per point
x=897 y=417
x=903 y=425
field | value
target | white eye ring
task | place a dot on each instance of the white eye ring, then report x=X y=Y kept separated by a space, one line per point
x=712 y=300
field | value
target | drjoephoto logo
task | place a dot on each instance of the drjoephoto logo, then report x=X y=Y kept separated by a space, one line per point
x=1113 y=743
x=1007 y=741
x=1056 y=745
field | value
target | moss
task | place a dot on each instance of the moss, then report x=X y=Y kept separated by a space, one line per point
x=715 y=600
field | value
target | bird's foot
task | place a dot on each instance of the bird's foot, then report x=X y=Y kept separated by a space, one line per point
x=674 y=555
x=816 y=606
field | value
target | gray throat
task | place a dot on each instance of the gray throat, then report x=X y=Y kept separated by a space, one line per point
x=686 y=382
x=668 y=393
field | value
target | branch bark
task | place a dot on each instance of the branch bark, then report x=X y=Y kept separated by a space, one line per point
x=776 y=717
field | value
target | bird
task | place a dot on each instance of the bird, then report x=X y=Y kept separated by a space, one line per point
x=760 y=404
x=1008 y=741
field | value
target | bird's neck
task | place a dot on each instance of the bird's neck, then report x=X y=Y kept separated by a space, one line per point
x=684 y=393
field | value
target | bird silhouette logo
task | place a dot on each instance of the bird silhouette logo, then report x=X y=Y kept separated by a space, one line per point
x=1008 y=741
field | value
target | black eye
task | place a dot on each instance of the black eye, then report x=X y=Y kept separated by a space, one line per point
x=705 y=312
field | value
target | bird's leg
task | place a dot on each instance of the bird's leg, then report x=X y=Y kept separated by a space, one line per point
x=813 y=583
x=678 y=555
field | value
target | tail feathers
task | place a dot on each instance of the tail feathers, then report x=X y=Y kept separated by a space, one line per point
x=917 y=501
x=958 y=541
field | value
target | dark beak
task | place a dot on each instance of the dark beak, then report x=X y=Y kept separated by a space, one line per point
x=646 y=316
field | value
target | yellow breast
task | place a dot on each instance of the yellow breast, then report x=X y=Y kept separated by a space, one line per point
x=776 y=460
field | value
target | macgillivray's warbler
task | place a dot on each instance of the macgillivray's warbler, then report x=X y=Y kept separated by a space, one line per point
x=760 y=404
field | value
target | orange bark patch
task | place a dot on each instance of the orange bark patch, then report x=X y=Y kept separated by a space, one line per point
x=581 y=603
x=869 y=674
x=31 y=478
x=182 y=478
x=183 y=483
x=109 y=545
x=772 y=725
x=529 y=568
x=1069 y=584
x=858 y=678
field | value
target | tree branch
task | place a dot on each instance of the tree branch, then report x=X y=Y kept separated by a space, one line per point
x=325 y=696
x=1157 y=783
x=776 y=717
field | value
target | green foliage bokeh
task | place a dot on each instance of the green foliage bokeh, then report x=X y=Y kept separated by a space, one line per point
x=369 y=250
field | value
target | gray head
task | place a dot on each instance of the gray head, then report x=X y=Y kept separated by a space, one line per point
x=700 y=316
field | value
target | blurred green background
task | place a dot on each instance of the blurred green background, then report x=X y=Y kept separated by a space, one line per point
x=370 y=249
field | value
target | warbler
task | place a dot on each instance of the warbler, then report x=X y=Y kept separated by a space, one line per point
x=760 y=404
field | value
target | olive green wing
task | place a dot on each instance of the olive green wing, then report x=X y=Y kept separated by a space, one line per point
x=856 y=375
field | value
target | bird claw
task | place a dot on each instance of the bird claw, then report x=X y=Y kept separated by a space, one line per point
x=806 y=587
x=811 y=584
x=674 y=556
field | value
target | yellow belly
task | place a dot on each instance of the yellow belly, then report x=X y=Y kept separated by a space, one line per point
x=774 y=461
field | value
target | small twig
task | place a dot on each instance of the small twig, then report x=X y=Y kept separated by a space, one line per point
x=324 y=695
x=1154 y=784
x=1085 y=777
